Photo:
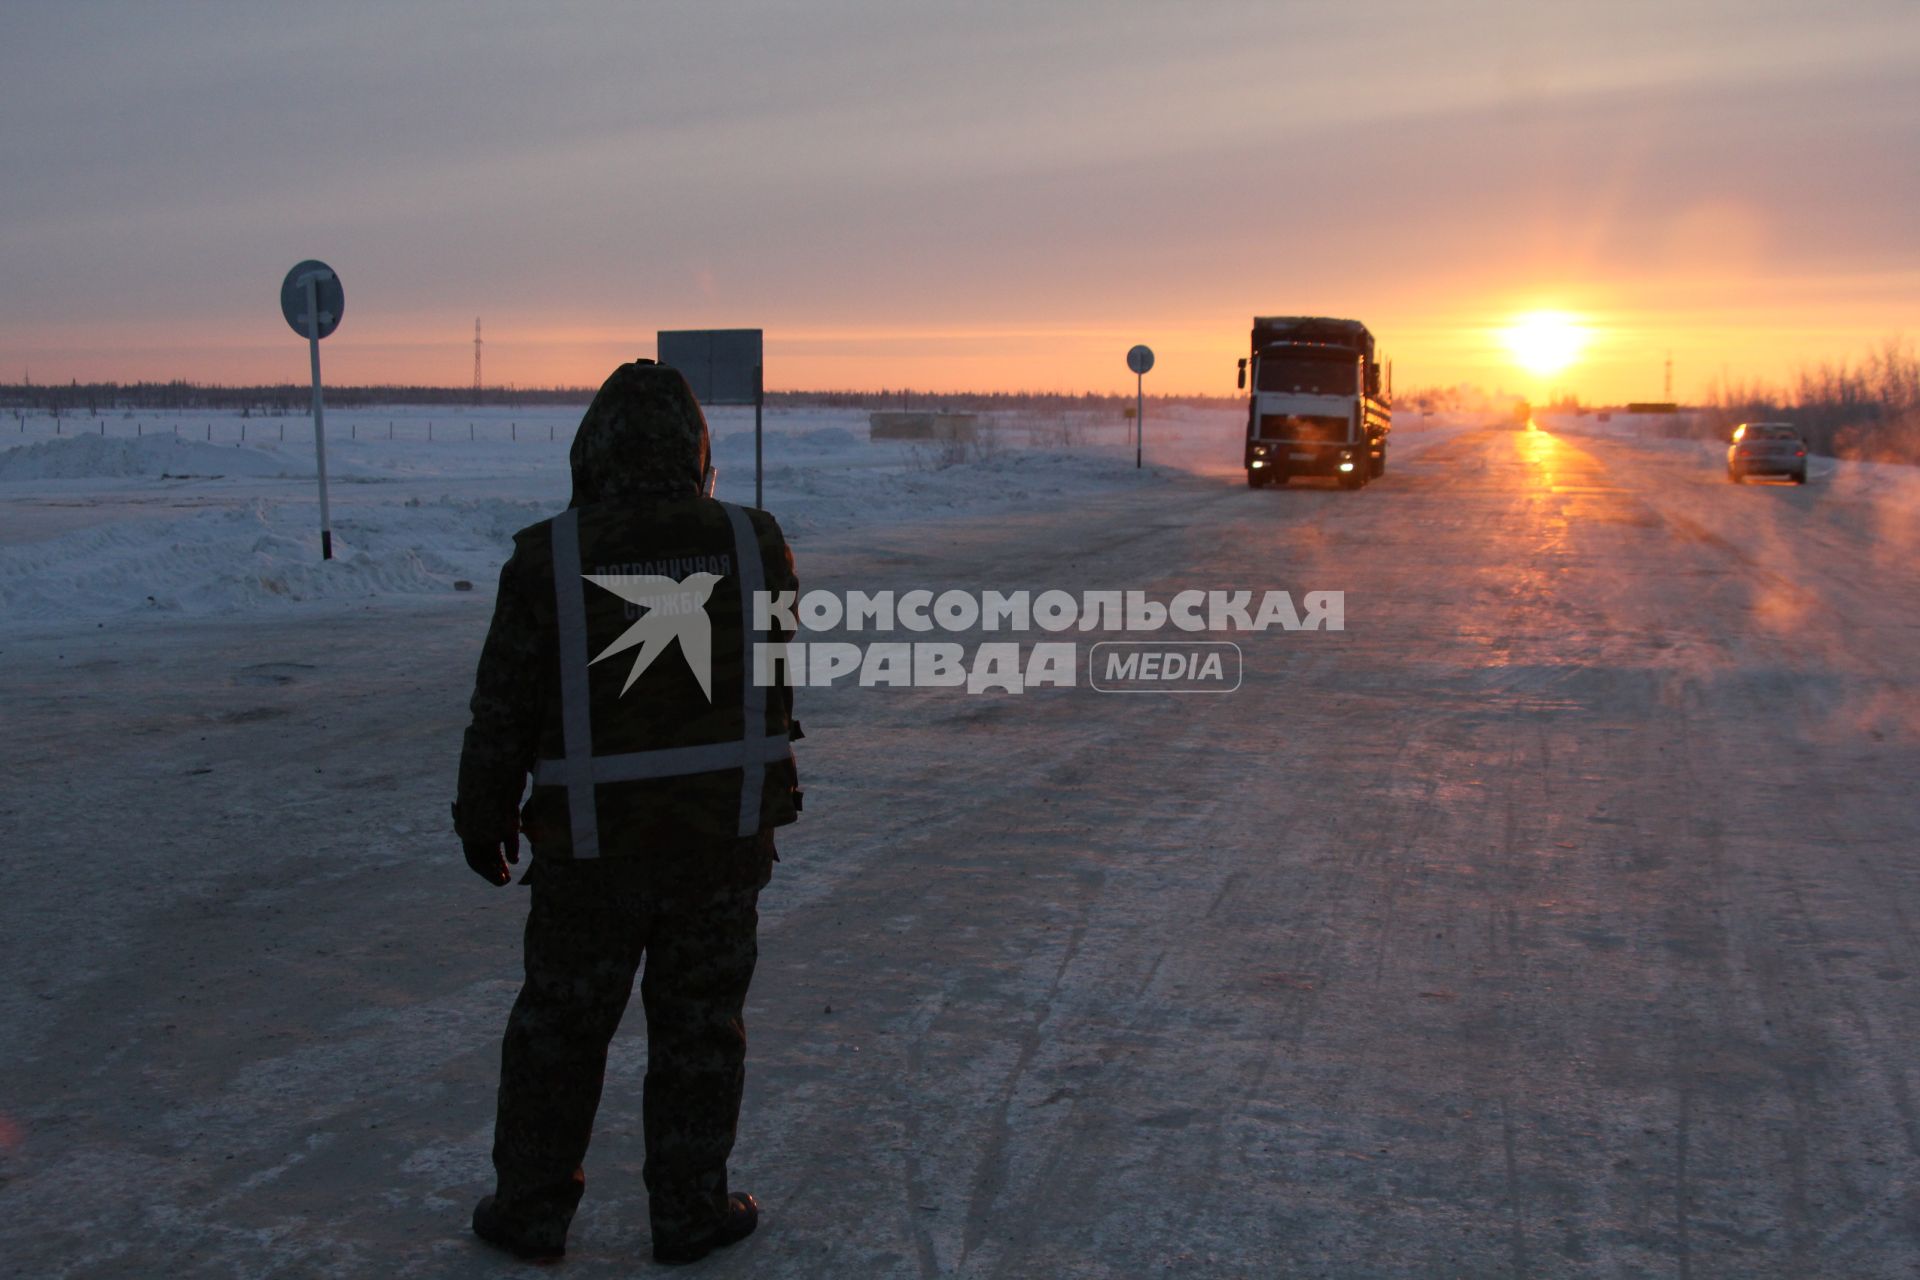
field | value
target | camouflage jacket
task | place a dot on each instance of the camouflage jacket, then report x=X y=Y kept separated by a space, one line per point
x=517 y=716
x=637 y=462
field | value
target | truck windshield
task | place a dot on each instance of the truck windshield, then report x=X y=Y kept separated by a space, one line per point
x=1332 y=374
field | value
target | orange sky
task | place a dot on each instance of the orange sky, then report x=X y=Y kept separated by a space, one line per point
x=1006 y=198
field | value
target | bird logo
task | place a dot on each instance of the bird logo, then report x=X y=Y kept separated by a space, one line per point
x=670 y=611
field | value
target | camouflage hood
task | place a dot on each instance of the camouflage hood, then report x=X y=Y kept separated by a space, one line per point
x=643 y=436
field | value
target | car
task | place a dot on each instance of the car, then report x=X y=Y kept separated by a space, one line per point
x=1767 y=449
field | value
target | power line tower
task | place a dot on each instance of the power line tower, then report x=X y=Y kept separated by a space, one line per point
x=476 y=359
x=1668 y=397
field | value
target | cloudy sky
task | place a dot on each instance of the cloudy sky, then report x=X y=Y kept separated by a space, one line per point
x=982 y=195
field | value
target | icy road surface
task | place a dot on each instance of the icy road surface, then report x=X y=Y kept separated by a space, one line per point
x=1556 y=918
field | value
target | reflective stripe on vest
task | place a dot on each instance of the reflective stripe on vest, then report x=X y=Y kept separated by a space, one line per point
x=581 y=769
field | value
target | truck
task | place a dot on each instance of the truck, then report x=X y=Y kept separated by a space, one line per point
x=1320 y=402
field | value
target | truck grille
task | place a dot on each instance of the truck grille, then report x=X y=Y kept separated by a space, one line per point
x=1308 y=428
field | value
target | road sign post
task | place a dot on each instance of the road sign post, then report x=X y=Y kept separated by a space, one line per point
x=312 y=301
x=1140 y=360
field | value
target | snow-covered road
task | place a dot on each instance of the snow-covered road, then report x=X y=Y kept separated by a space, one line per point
x=1555 y=918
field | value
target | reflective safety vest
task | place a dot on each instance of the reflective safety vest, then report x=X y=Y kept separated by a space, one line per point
x=664 y=732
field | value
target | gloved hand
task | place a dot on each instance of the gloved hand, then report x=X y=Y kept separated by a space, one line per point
x=485 y=857
x=489 y=858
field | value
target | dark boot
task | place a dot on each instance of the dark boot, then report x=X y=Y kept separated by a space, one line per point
x=736 y=1224
x=528 y=1241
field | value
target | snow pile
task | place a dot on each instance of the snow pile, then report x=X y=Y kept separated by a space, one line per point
x=259 y=554
x=97 y=457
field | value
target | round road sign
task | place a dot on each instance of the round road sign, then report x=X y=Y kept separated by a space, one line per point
x=331 y=297
x=1140 y=359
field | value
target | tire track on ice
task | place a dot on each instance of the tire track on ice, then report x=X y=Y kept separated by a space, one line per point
x=990 y=1180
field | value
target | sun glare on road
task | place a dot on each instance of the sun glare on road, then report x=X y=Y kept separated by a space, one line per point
x=1541 y=452
x=1544 y=342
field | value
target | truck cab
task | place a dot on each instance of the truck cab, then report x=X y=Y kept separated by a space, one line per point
x=1316 y=406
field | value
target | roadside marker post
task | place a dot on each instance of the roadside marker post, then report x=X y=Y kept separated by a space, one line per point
x=311 y=298
x=1140 y=360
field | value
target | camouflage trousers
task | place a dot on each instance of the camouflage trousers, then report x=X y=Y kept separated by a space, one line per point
x=588 y=930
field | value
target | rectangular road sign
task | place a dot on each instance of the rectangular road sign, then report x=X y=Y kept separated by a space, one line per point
x=722 y=365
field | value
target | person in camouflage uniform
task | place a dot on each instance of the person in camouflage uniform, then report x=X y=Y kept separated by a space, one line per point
x=665 y=868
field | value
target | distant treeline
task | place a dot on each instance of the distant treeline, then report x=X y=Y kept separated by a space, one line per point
x=1868 y=412
x=99 y=397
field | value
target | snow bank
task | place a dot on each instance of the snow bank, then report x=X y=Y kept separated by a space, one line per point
x=98 y=457
x=260 y=554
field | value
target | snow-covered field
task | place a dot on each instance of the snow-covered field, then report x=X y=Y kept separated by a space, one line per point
x=187 y=517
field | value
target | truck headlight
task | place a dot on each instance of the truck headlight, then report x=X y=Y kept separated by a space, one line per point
x=1256 y=463
x=1346 y=466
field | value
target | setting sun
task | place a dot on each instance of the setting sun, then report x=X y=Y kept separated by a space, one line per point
x=1544 y=342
